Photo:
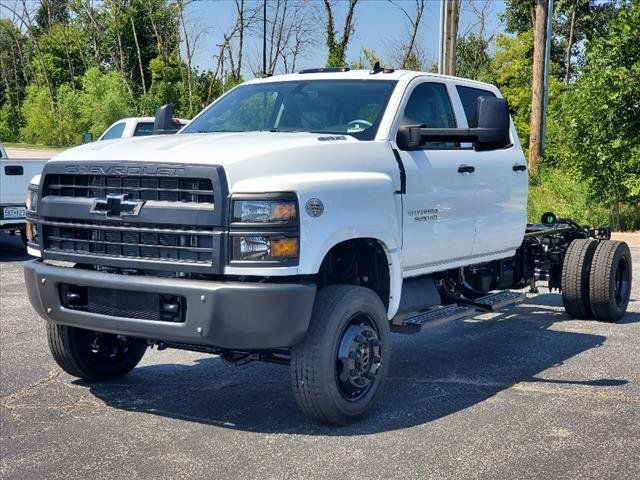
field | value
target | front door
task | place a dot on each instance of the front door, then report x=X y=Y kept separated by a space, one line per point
x=440 y=201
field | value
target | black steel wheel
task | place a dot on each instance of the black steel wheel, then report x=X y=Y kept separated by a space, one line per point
x=358 y=357
x=93 y=355
x=610 y=281
x=339 y=368
x=576 y=270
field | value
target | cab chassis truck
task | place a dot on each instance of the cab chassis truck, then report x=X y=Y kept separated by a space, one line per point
x=299 y=220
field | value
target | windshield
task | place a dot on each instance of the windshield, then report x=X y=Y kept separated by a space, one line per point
x=352 y=107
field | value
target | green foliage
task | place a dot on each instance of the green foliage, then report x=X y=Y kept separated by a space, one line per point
x=556 y=189
x=63 y=55
x=39 y=117
x=105 y=99
x=603 y=115
x=511 y=69
x=102 y=100
x=472 y=58
x=368 y=58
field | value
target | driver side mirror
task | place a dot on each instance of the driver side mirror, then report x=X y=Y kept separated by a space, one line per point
x=492 y=132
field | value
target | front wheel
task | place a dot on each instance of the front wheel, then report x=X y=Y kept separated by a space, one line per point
x=93 y=355
x=338 y=370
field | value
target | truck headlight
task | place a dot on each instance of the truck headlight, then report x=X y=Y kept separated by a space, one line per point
x=264 y=211
x=263 y=248
x=264 y=228
x=33 y=195
x=32 y=198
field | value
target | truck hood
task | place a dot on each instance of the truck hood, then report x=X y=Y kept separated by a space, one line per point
x=208 y=148
x=250 y=157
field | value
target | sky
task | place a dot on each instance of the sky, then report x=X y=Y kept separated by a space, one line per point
x=378 y=25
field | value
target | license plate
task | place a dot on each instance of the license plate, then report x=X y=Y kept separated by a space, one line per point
x=15 y=212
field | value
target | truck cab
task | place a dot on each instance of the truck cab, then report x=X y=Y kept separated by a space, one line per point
x=300 y=219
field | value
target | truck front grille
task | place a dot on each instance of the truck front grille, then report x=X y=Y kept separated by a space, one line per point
x=142 y=242
x=177 y=222
x=176 y=189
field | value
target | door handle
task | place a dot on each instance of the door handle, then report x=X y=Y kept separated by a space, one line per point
x=13 y=170
x=518 y=167
x=466 y=169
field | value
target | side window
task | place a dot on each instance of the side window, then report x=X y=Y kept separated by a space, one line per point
x=143 y=129
x=469 y=97
x=114 y=132
x=429 y=105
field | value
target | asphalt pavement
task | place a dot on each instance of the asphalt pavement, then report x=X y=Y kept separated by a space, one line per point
x=528 y=393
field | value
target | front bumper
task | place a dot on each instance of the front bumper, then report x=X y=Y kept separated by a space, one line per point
x=228 y=315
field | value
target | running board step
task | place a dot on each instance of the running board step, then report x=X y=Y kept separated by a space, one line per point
x=432 y=317
x=414 y=322
x=496 y=301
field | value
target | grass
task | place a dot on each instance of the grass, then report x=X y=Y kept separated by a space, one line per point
x=30 y=146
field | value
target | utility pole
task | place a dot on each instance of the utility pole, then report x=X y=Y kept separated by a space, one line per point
x=264 y=38
x=538 y=82
x=443 y=20
x=547 y=66
x=453 y=14
x=449 y=15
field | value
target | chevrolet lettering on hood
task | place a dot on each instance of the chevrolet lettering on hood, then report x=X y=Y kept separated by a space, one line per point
x=124 y=170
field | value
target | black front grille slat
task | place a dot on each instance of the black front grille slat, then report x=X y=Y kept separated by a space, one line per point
x=192 y=190
x=130 y=241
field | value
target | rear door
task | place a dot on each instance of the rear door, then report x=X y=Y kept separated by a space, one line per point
x=501 y=178
x=440 y=201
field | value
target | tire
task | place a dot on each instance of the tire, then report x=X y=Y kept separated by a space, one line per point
x=91 y=355
x=576 y=270
x=348 y=328
x=610 y=281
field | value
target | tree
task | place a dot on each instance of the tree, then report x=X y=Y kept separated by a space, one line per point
x=338 y=46
x=13 y=79
x=408 y=50
x=511 y=69
x=603 y=114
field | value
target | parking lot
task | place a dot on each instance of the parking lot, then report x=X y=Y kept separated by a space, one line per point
x=528 y=393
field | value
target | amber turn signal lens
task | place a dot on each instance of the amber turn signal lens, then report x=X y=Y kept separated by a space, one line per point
x=284 y=247
x=29 y=232
x=285 y=211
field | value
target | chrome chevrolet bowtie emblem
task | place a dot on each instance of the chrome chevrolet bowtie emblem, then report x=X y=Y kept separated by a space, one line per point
x=116 y=206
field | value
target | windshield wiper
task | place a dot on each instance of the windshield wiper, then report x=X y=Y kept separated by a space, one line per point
x=277 y=130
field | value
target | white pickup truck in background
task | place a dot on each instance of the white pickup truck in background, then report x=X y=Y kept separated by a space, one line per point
x=15 y=175
x=136 y=127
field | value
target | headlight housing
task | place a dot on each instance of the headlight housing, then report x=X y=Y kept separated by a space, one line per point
x=32 y=198
x=264 y=229
x=264 y=211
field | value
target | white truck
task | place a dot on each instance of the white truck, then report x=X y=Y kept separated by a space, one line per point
x=15 y=176
x=136 y=127
x=299 y=220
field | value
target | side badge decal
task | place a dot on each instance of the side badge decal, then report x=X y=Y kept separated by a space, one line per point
x=314 y=207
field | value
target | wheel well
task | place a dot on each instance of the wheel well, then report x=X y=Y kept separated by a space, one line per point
x=360 y=261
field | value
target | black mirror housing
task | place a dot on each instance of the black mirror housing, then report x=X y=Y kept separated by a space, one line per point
x=493 y=123
x=492 y=132
x=164 y=124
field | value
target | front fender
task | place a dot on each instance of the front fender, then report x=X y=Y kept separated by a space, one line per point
x=356 y=205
